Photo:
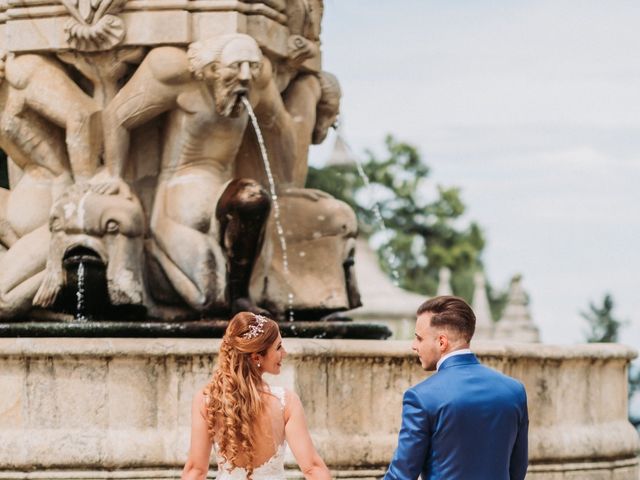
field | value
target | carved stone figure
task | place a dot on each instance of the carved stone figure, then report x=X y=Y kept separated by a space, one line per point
x=37 y=99
x=303 y=44
x=111 y=227
x=104 y=69
x=179 y=159
x=290 y=124
x=200 y=90
x=321 y=249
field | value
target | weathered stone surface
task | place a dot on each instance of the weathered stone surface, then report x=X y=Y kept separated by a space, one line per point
x=125 y=403
x=318 y=248
x=145 y=99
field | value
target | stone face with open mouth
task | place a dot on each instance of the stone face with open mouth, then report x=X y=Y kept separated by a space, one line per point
x=237 y=105
x=102 y=229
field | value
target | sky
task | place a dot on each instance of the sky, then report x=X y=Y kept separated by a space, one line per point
x=533 y=110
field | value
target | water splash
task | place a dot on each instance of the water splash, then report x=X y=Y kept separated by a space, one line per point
x=389 y=255
x=276 y=203
x=80 y=294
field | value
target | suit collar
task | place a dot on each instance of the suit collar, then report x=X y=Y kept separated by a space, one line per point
x=455 y=360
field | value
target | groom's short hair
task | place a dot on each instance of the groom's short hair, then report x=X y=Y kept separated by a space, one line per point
x=452 y=312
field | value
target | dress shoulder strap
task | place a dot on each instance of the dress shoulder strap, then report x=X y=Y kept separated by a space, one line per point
x=279 y=393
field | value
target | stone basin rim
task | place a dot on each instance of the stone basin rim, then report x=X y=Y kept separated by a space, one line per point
x=50 y=346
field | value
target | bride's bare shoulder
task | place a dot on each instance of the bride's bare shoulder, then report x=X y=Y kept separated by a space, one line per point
x=290 y=395
x=201 y=401
x=292 y=404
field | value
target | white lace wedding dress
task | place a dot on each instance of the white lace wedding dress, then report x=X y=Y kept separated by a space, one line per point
x=272 y=469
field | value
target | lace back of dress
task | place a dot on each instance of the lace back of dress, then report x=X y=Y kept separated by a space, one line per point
x=272 y=468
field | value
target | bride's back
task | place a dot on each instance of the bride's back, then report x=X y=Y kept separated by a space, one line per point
x=268 y=430
x=243 y=418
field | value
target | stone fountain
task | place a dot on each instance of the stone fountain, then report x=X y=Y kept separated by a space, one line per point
x=138 y=193
x=133 y=162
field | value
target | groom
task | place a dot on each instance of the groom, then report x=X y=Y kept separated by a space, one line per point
x=466 y=421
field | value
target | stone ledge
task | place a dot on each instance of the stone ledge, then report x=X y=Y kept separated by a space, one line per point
x=107 y=347
x=582 y=466
x=124 y=403
x=161 y=474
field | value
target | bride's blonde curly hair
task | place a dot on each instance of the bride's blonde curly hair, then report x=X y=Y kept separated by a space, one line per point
x=234 y=391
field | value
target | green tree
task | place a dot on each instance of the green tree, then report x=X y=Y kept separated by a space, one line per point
x=424 y=222
x=603 y=326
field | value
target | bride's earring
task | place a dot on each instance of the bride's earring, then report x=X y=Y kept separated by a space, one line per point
x=258 y=364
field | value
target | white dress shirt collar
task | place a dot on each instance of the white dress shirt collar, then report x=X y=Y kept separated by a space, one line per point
x=462 y=351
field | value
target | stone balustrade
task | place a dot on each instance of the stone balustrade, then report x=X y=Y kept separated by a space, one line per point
x=120 y=408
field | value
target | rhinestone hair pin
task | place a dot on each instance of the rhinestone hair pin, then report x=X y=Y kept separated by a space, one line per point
x=257 y=328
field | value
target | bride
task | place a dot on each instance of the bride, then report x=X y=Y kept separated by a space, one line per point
x=247 y=422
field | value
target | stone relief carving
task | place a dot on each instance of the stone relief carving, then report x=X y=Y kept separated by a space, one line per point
x=321 y=250
x=53 y=142
x=141 y=161
x=290 y=123
x=109 y=227
x=93 y=25
x=104 y=70
x=303 y=43
x=38 y=98
x=199 y=91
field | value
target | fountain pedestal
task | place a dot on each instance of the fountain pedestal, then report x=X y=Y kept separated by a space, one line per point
x=119 y=408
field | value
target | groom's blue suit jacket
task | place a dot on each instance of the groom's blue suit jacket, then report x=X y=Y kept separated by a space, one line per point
x=465 y=422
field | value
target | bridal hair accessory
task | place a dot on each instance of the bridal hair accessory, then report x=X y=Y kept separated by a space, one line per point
x=257 y=328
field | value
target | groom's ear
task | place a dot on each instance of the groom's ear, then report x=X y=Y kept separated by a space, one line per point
x=443 y=342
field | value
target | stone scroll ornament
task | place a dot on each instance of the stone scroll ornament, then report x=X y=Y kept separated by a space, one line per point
x=93 y=25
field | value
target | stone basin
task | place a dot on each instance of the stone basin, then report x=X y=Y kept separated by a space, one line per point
x=119 y=407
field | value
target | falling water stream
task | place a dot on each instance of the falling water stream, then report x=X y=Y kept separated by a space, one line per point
x=276 y=204
x=80 y=316
x=389 y=255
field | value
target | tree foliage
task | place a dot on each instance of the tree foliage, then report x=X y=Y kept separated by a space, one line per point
x=426 y=229
x=603 y=326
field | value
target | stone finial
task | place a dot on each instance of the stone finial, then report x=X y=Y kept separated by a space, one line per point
x=480 y=305
x=516 y=323
x=444 y=282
